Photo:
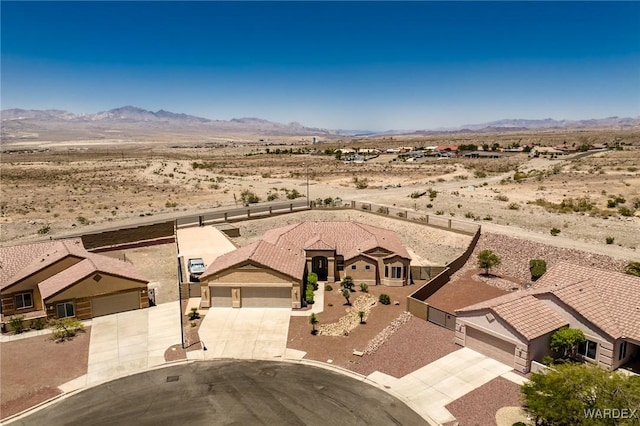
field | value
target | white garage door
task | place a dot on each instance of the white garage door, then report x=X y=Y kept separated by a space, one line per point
x=266 y=297
x=490 y=346
x=115 y=303
x=220 y=297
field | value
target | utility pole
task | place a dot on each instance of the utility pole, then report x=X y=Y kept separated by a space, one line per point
x=308 y=200
x=180 y=299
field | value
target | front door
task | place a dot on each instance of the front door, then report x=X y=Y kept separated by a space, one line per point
x=320 y=265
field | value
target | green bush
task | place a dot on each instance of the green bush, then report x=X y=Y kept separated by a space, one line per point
x=347 y=283
x=247 y=197
x=66 y=328
x=364 y=287
x=384 y=299
x=610 y=240
x=501 y=198
x=312 y=279
x=193 y=314
x=625 y=211
x=17 y=323
x=44 y=230
x=547 y=360
x=554 y=231
x=308 y=296
x=537 y=267
x=327 y=287
x=39 y=323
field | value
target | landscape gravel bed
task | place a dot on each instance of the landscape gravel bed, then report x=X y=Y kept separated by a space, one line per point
x=515 y=254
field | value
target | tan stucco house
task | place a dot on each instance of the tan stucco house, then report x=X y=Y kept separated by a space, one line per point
x=272 y=271
x=516 y=328
x=57 y=279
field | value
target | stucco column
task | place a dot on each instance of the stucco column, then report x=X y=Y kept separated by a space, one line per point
x=331 y=269
x=205 y=301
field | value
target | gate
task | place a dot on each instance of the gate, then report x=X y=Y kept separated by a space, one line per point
x=441 y=318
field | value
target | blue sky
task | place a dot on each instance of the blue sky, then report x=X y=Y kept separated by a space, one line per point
x=347 y=65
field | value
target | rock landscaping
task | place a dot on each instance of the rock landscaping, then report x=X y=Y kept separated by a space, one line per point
x=350 y=321
x=385 y=334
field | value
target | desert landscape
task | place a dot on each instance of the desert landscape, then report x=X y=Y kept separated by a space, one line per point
x=53 y=189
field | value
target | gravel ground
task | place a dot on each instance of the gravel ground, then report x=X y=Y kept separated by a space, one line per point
x=431 y=246
x=416 y=344
x=465 y=290
x=50 y=364
x=157 y=264
x=479 y=406
x=515 y=254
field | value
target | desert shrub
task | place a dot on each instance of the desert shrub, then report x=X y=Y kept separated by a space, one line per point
x=432 y=194
x=625 y=211
x=45 y=229
x=39 y=323
x=17 y=323
x=364 y=287
x=429 y=206
x=361 y=183
x=66 y=328
x=480 y=174
x=328 y=287
x=82 y=220
x=272 y=196
x=636 y=203
x=610 y=240
x=170 y=204
x=514 y=206
x=612 y=204
x=347 y=282
x=400 y=214
x=487 y=217
x=417 y=194
x=440 y=212
x=193 y=314
x=554 y=231
x=384 y=299
x=293 y=194
x=469 y=215
x=501 y=198
x=537 y=267
x=488 y=259
x=247 y=197
x=361 y=315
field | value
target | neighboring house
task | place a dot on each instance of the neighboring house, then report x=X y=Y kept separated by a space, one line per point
x=516 y=328
x=56 y=279
x=272 y=271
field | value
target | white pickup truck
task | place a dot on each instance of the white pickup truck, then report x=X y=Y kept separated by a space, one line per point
x=195 y=267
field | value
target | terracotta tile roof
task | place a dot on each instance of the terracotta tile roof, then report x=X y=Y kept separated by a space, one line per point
x=92 y=264
x=282 y=249
x=520 y=312
x=289 y=261
x=609 y=300
x=18 y=262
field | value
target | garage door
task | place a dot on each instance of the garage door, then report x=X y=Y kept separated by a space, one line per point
x=220 y=297
x=115 y=303
x=490 y=346
x=266 y=297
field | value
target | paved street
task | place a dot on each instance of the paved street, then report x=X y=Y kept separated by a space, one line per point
x=229 y=392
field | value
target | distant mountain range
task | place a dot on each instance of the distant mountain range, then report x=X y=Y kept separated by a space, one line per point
x=18 y=124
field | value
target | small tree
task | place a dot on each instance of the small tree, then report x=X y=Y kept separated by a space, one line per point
x=312 y=279
x=567 y=393
x=193 y=314
x=347 y=283
x=361 y=315
x=346 y=293
x=313 y=320
x=565 y=341
x=633 y=268
x=487 y=259
x=537 y=267
x=308 y=295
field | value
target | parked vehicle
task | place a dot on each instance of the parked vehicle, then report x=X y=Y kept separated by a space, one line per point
x=195 y=267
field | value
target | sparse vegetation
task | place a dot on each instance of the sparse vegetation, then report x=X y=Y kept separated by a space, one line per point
x=66 y=328
x=487 y=259
x=554 y=231
x=537 y=267
x=610 y=240
x=364 y=287
x=384 y=299
x=17 y=323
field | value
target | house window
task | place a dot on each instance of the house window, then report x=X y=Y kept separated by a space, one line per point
x=23 y=300
x=65 y=309
x=353 y=267
x=386 y=271
x=367 y=267
x=396 y=272
x=588 y=349
x=623 y=351
x=404 y=271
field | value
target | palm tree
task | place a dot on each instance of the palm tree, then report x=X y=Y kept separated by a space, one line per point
x=313 y=320
x=633 y=268
x=361 y=315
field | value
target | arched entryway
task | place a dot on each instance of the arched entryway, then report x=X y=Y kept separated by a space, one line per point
x=320 y=266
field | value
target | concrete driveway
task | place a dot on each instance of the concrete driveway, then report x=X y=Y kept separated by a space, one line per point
x=206 y=242
x=430 y=388
x=246 y=333
x=129 y=342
